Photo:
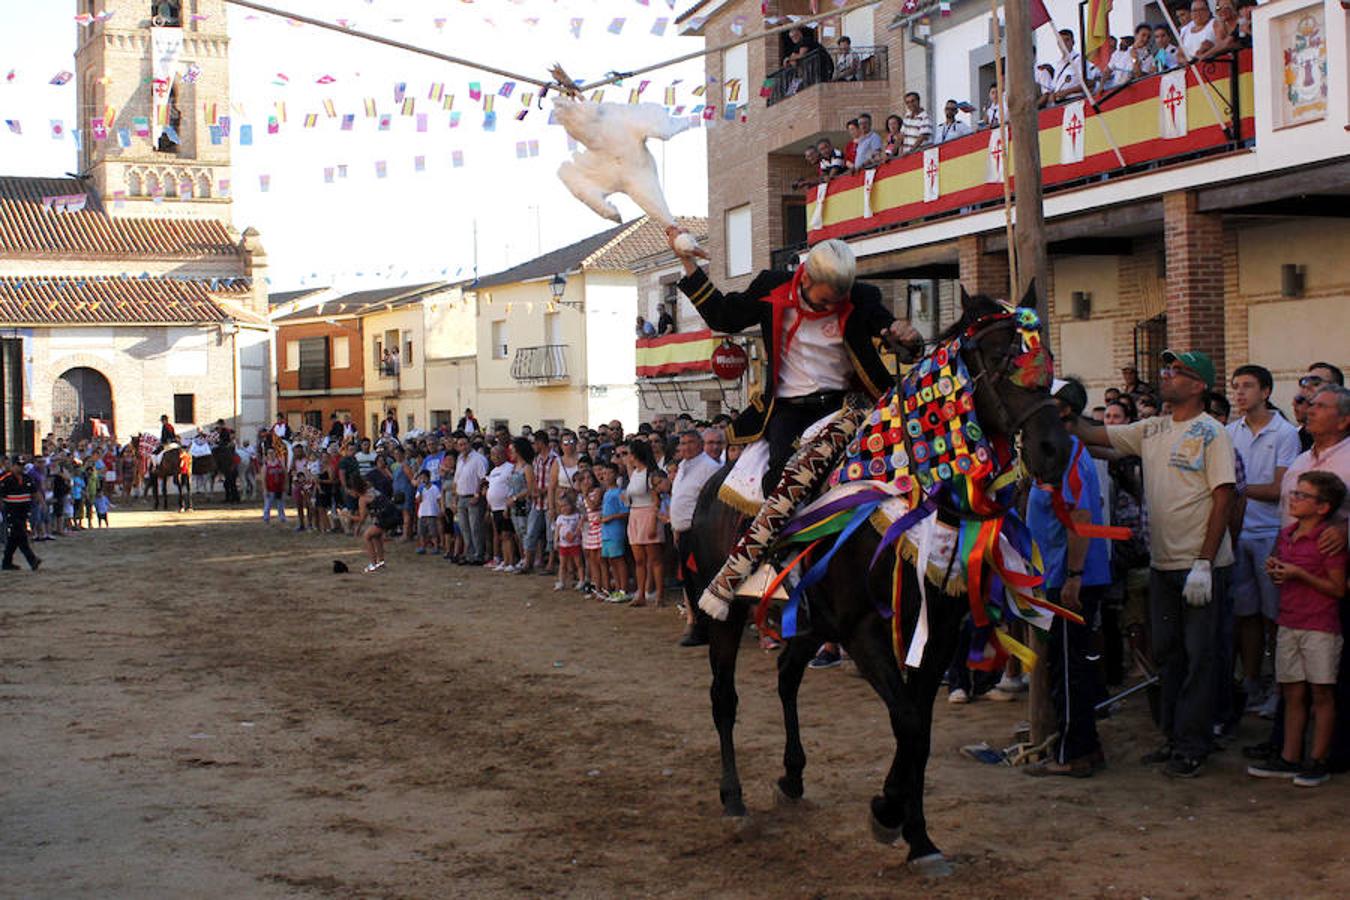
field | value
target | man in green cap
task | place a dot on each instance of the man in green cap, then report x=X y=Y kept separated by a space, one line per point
x=1189 y=486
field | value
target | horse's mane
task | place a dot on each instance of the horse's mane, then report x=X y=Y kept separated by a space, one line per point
x=972 y=310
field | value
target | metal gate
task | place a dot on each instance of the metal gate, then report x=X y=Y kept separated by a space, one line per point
x=78 y=396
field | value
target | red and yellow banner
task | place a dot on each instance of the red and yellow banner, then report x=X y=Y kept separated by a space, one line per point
x=965 y=172
x=676 y=354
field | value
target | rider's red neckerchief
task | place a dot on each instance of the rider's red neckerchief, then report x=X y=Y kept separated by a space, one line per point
x=788 y=296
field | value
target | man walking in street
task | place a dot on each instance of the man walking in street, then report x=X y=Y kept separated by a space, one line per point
x=18 y=493
x=1189 y=480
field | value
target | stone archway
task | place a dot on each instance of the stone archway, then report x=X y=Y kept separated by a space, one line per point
x=79 y=395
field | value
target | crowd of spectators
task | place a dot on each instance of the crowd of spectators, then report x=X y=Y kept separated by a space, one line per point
x=1151 y=49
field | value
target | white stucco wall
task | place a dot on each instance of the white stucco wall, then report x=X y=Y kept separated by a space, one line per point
x=611 y=349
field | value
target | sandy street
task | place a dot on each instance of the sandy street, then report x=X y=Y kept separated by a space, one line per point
x=193 y=705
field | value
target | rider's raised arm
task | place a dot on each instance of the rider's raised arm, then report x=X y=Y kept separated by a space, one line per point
x=732 y=312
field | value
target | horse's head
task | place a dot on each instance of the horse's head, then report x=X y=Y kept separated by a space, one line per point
x=1012 y=371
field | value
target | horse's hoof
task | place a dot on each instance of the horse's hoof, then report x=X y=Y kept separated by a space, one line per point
x=740 y=826
x=782 y=798
x=934 y=865
x=891 y=837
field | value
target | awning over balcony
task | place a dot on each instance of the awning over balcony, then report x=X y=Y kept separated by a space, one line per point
x=676 y=354
x=1153 y=120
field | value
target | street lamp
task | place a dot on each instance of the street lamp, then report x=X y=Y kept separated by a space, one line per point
x=557 y=287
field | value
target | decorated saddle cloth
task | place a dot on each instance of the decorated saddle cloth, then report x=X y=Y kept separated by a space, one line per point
x=919 y=449
x=743 y=488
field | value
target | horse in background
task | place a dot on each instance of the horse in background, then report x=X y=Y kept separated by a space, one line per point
x=843 y=606
x=170 y=470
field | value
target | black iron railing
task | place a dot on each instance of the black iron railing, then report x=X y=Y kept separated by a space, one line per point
x=536 y=364
x=860 y=64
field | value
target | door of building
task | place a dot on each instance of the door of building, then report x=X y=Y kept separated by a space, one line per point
x=79 y=395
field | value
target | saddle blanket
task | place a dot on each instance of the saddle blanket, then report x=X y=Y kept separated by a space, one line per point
x=743 y=488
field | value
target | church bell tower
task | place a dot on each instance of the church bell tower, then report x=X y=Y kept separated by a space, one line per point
x=154 y=106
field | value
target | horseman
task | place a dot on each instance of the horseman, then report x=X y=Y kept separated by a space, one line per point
x=167 y=435
x=224 y=434
x=820 y=332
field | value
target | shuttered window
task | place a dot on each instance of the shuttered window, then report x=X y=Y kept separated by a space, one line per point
x=314 y=364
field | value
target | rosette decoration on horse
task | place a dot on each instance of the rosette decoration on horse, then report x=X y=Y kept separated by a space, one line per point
x=920 y=451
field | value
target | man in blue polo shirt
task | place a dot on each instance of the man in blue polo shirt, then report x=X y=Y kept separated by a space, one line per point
x=1077 y=574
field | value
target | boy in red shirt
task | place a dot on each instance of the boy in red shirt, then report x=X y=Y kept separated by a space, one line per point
x=1308 y=644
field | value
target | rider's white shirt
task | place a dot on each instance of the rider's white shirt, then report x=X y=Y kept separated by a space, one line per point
x=816 y=360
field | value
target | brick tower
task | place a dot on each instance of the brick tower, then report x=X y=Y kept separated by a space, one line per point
x=161 y=67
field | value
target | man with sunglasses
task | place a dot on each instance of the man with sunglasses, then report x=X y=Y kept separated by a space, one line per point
x=1189 y=484
x=1319 y=373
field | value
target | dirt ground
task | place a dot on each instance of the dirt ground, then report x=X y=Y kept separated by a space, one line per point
x=194 y=705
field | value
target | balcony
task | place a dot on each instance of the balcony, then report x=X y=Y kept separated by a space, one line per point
x=965 y=174
x=792 y=119
x=689 y=353
x=541 y=365
x=863 y=64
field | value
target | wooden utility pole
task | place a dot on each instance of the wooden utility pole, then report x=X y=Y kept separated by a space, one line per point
x=1032 y=261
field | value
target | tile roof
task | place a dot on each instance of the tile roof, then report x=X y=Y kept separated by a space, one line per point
x=278 y=298
x=564 y=259
x=28 y=228
x=648 y=239
x=365 y=302
x=118 y=301
x=615 y=248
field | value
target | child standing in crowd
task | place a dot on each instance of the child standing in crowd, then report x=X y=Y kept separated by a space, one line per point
x=75 y=502
x=101 y=504
x=428 y=514
x=644 y=531
x=569 y=543
x=274 y=487
x=1308 y=643
x=613 y=533
x=60 y=499
x=590 y=542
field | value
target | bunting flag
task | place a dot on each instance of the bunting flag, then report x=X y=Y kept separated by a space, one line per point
x=273 y=126
x=409 y=106
x=264 y=183
x=520 y=116
x=342 y=172
x=245 y=135
x=421 y=122
x=616 y=26
x=448 y=103
x=733 y=89
x=212 y=115
x=330 y=109
x=14 y=126
x=475 y=91
x=659 y=27
x=534 y=148
x=381 y=168
x=1096 y=30
x=698 y=90
x=140 y=126
x=766 y=89
x=215 y=133
x=490 y=121
x=348 y=122
x=437 y=92
x=399 y=90
x=488 y=103
x=98 y=130
x=61 y=78
x=597 y=96
x=223 y=187
x=419 y=163
x=506 y=88
x=575 y=27
x=454 y=120
x=58 y=130
x=670 y=96
x=457 y=159
x=522 y=150
x=124 y=136
x=386 y=121
x=225 y=125
x=328 y=175
x=633 y=96
x=311 y=119
x=281 y=111
x=371 y=111
x=325 y=79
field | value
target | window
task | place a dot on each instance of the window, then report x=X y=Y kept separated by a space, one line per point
x=292 y=356
x=670 y=300
x=407 y=353
x=377 y=351
x=184 y=409
x=313 y=418
x=738 y=240
x=735 y=72
x=313 y=364
x=441 y=417
x=411 y=420
x=342 y=358
x=500 y=340
x=553 y=328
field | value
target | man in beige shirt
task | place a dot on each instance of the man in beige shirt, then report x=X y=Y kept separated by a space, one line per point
x=1189 y=488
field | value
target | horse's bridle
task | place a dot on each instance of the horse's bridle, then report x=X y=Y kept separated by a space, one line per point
x=993 y=375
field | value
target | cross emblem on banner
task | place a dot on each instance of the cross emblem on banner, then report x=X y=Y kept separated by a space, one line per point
x=1074 y=128
x=1173 y=99
x=997 y=153
x=932 y=172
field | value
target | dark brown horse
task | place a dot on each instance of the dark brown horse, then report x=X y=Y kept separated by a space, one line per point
x=842 y=607
x=169 y=471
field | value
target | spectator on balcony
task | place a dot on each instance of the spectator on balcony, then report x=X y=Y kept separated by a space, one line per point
x=867 y=151
x=1165 y=54
x=851 y=148
x=893 y=140
x=812 y=156
x=1243 y=25
x=665 y=324
x=1142 y=61
x=831 y=160
x=1067 y=83
x=950 y=128
x=805 y=61
x=1200 y=35
x=917 y=127
x=1225 y=28
x=848 y=65
x=1120 y=69
x=645 y=329
x=1045 y=78
x=991 y=107
x=389 y=362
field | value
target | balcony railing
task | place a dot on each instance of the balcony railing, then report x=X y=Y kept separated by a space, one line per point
x=862 y=64
x=540 y=365
x=1156 y=121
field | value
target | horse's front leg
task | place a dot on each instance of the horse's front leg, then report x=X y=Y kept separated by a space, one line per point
x=791 y=667
x=724 y=641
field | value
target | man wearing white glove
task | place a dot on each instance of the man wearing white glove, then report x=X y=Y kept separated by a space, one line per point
x=1189 y=483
